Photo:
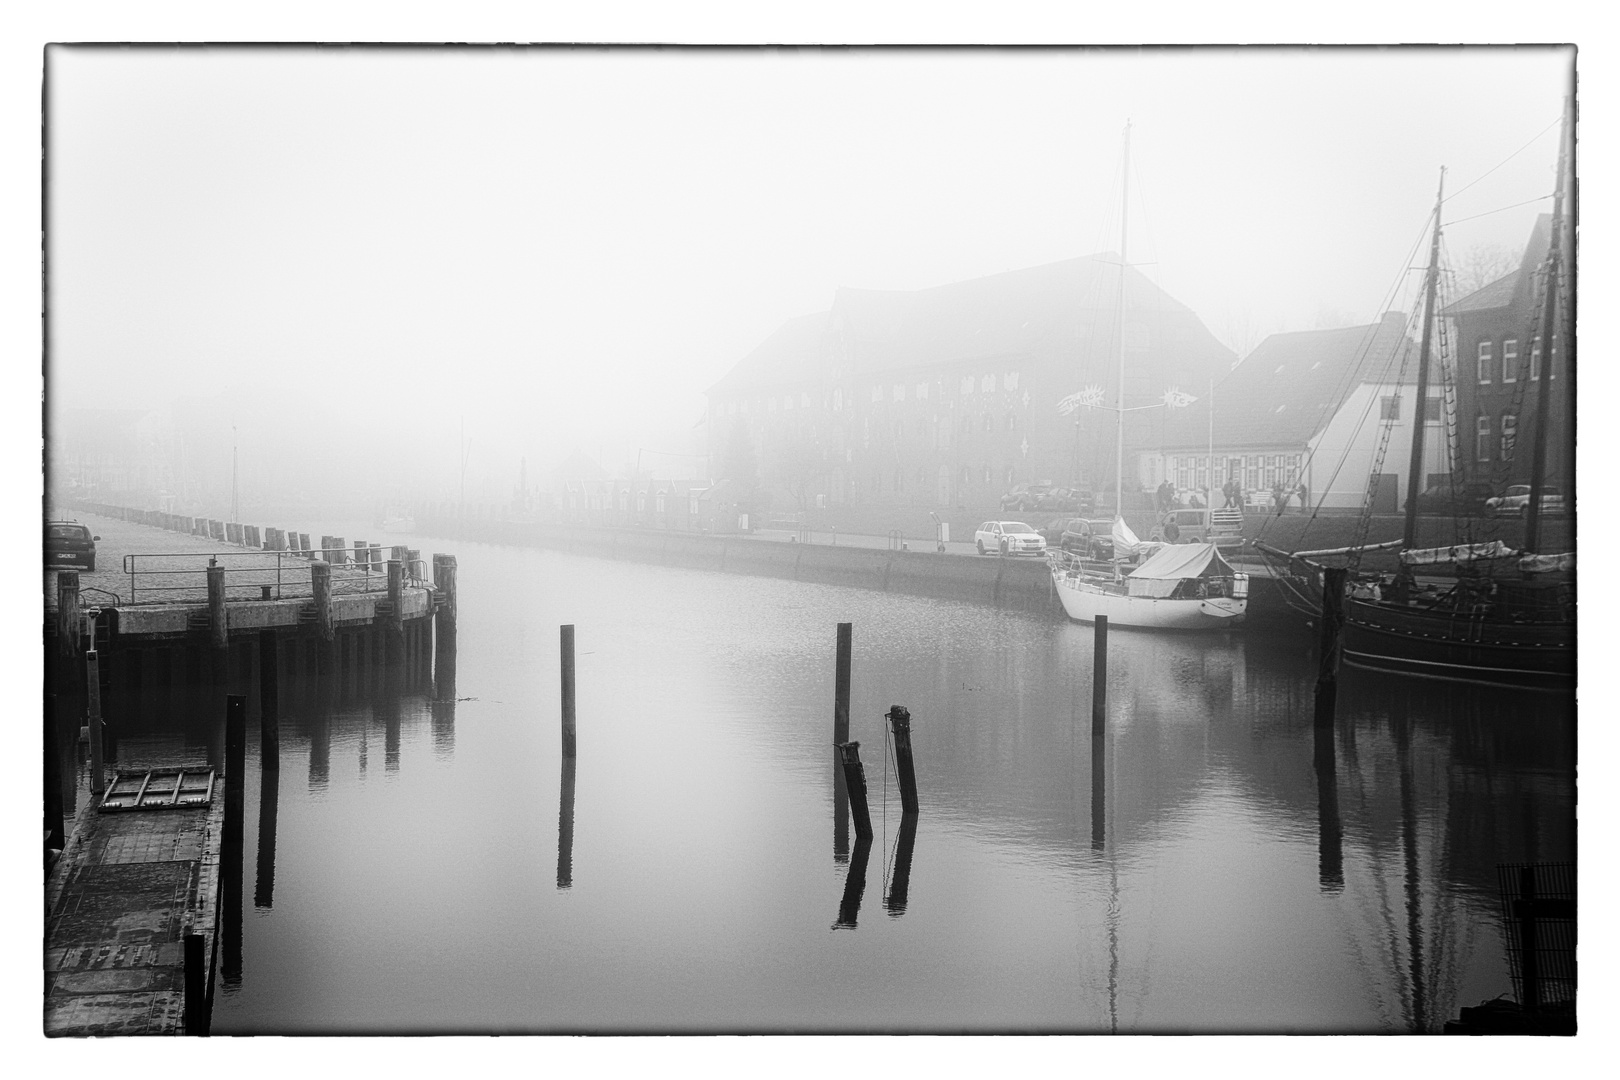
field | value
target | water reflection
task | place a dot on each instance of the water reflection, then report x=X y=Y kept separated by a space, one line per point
x=264 y=886
x=1329 y=830
x=565 y=825
x=900 y=878
x=849 y=907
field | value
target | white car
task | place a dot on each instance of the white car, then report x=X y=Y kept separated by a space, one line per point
x=1008 y=538
x=1516 y=502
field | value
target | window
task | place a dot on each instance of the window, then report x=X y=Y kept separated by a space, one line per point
x=1433 y=410
x=987 y=475
x=1510 y=360
x=1510 y=434
x=967 y=425
x=988 y=384
x=966 y=478
x=989 y=425
x=1482 y=438
x=1484 y=362
x=1389 y=408
x=1012 y=422
x=1535 y=359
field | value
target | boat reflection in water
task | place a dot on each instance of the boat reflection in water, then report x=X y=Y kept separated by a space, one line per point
x=1212 y=864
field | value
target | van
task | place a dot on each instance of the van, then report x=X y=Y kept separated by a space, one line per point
x=1200 y=525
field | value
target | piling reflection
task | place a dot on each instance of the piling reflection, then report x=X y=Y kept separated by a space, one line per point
x=1330 y=832
x=900 y=879
x=849 y=908
x=444 y=728
x=1098 y=785
x=320 y=748
x=264 y=885
x=389 y=707
x=565 y=825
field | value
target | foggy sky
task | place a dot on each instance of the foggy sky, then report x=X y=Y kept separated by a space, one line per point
x=565 y=248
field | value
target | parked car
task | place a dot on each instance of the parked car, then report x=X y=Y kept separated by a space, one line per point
x=1025 y=496
x=1222 y=527
x=1088 y=539
x=1474 y=497
x=1515 y=502
x=1008 y=538
x=68 y=542
x=1060 y=498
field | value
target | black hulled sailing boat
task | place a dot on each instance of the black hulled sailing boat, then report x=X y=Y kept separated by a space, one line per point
x=1481 y=612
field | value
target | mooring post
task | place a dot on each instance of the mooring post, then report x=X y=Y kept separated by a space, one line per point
x=444 y=625
x=55 y=827
x=855 y=781
x=413 y=564
x=568 y=690
x=196 y=987
x=92 y=720
x=1327 y=648
x=320 y=581
x=900 y=724
x=1529 y=957
x=340 y=551
x=841 y=684
x=218 y=633
x=269 y=701
x=69 y=642
x=395 y=625
x=1099 y=676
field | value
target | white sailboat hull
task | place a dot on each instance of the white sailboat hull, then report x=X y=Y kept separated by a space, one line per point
x=1083 y=600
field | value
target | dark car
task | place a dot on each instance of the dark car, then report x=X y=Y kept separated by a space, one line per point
x=1088 y=539
x=69 y=543
x=1025 y=496
x=1468 y=499
x=1064 y=499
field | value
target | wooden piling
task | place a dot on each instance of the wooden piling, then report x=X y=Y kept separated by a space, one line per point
x=269 y=701
x=568 y=691
x=92 y=720
x=55 y=826
x=900 y=724
x=841 y=684
x=218 y=632
x=320 y=581
x=303 y=543
x=1099 y=676
x=1327 y=647
x=855 y=781
x=196 y=987
x=444 y=625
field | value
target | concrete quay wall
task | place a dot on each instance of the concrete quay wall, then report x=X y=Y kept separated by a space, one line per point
x=1023 y=584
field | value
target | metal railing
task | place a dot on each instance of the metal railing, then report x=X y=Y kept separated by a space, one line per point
x=182 y=577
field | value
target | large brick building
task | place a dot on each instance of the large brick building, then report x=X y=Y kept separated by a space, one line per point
x=1497 y=331
x=947 y=397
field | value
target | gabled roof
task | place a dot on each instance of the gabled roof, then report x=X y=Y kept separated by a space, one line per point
x=793 y=352
x=1515 y=286
x=1291 y=384
x=1498 y=294
x=1071 y=302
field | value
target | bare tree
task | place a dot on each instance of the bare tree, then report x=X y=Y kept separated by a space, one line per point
x=1480 y=265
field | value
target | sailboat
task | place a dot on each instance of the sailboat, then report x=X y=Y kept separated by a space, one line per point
x=1506 y=616
x=1177 y=586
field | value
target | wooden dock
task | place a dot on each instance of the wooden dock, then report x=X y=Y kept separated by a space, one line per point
x=119 y=901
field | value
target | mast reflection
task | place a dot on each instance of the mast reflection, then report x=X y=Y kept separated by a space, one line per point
x=265 y=883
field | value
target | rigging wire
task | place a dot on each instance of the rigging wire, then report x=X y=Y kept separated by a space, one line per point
x=1499 y=209
x=1505 y=160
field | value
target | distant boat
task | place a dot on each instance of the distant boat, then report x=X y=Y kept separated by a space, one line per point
x=1179 y=586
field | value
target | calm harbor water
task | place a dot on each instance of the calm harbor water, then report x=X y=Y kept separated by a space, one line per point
x=415 y=867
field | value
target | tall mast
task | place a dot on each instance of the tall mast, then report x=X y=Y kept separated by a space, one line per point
x=1549 y=311
x=1414 y=476
x=1119 y=334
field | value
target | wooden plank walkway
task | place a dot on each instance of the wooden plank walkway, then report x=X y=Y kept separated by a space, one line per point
x=121 y=896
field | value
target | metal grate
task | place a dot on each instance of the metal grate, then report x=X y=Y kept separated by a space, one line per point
x=159 y=789
x=1538 y=911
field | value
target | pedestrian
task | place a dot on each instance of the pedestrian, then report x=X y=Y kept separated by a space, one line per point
x=1166 y=495
x=1279 y=498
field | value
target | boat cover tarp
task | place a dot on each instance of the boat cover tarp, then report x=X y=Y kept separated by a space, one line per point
x=1173 y=564
x=1460 y=553
x=1125 y=541
x=1546 y=564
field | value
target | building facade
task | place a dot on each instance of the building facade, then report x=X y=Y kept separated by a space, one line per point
x=948 y=397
